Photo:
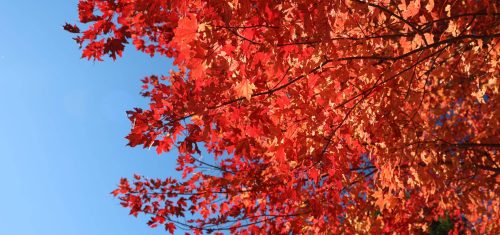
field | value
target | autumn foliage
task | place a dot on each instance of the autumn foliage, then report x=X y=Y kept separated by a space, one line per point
x=313 y=117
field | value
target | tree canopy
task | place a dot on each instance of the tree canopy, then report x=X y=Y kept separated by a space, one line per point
x=312 y=117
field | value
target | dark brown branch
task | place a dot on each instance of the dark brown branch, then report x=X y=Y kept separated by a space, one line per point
x=247 y=27
x=361 y=168
x=489 y=168
x=475 y=145
x=478 y=13
x=386 y=36
x=330 y=137
x=436 y=44
x=211 y=228
x=392 y=14
x=244 y=38
x=268 y=92
x=213 y=166
x=370 y=89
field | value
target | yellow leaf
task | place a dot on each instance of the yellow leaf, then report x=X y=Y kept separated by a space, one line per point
x=429 y=38
x=448 y=10
x=245 y=89
x=430 y=5
x=453 y=29
x=412 y=9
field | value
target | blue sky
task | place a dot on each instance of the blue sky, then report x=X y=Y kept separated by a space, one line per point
x=63 y=123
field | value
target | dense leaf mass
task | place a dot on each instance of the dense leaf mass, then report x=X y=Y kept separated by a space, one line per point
x=313 y=117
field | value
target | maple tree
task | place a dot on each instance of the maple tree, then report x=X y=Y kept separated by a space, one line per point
x=312 y=117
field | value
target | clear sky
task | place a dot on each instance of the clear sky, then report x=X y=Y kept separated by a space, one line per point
x=63 y=123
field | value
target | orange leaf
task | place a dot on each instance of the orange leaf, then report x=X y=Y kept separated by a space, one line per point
x=245 y=89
